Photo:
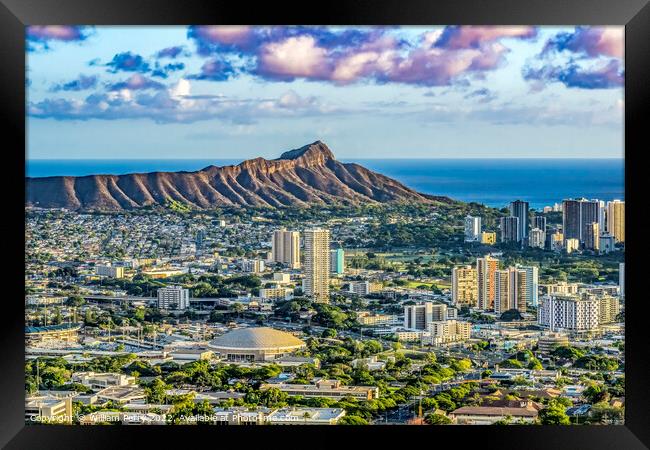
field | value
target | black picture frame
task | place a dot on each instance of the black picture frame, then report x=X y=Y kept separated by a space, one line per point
x=634 y=14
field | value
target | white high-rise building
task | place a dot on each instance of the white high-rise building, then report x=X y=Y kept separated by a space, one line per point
x=472 y=228
x=286 y=248
x=621 y=279
x=316 y=283
x=537 y=238
x=573 y=313
x=532 y=284
x=173 y=297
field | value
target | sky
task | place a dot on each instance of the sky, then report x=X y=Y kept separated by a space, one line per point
x=238 y=92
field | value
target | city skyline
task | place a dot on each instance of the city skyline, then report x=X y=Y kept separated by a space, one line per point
x=214 y=92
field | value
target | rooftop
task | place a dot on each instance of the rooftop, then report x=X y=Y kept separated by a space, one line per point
x=257 y=339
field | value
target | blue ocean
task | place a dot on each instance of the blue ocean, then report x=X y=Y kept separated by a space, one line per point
x=493 y=182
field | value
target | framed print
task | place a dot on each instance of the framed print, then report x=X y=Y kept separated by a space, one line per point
x=377 y=221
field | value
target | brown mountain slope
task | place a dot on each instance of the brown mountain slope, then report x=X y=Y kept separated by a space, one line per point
x=302 y=177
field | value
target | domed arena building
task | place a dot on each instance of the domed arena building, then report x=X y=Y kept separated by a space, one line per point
x=255 y=344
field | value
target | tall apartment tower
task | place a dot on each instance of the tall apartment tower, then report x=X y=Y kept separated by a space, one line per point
x=616 y=220
x=576 y=215
x=464 y=286
x=621 y=279
x=173 y=297
x=316 y=283
x=337 y=259
x=485 y=269
x=538 y=222
x=286 y=248
x=472 y=228
x=591 y=236
x=510 y=229
x=519 y=209
x=418 y=317
x=537 y=238
x=532 y=284
x=510 y=290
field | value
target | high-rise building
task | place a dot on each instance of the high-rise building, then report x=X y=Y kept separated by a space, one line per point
x=557 y=241
x=532 y=284
x=616 y=219
x=621 y=279
x=173 y=297
x=571 y=225
x=317 y=264
x=590 y=213
x=537 y=238
x=337 y=259
x=606 y=243
x=602 y=215
x=488 y=238
x=576 y=215
x=571 y=245
x=538 y=222
x=510 y=229
x=485 y=269
x=609 y=307
x=419 y=316
x=286 y=248
x=573 y=313
x=472 y=229
x=592 y=236
x=511 y=290
x=464 y=286
x=502 y=292
x=519 y=209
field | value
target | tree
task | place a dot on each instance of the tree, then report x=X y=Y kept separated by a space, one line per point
x=511 y=315
x=554 y=414
x=273 y=397
x=595 y=394
x=511 y=364
x=156 y=391
x=329 y=333
x=352 y=420
x=567 y=352
x=437 y=419
x=75 y=300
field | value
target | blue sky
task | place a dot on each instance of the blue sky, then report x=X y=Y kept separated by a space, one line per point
x=368 y=92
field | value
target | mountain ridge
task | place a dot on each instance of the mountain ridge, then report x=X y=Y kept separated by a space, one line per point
x=309 y=175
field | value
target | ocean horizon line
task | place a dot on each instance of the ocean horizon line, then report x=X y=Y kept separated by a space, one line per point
x=343 y=158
